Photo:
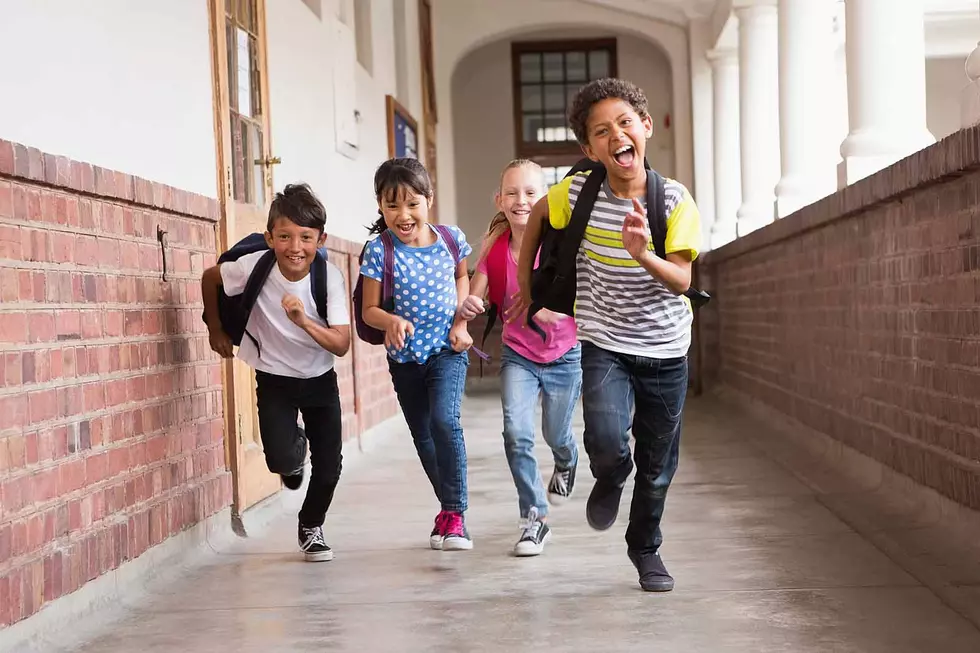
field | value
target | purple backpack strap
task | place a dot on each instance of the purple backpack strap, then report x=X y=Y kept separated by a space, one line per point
x=388 y=274
x=447 y=237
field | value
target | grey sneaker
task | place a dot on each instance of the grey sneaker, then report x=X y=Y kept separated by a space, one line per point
x=534 y=535
x=561 y=485
x=312 y=544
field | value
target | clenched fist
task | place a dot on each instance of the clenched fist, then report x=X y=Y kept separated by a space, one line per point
x=295 y=310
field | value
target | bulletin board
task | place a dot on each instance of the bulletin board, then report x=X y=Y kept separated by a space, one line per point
x=403 y=134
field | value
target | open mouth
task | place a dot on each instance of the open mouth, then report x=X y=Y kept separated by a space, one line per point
x=625 y=156
x=296 y=260
x=405 y=229
x=520 y=213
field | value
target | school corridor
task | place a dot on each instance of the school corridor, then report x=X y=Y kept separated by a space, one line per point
x=773 y=550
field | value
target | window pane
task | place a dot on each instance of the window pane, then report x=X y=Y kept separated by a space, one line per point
x=238 y=156
x=256 y=86
x=554 y=98
x=598 y=64
x=531 y=99
x=561 y=171
x=549 y=175
x=570 y=92
x=258 y=170
x=531 y=67
x=553 y=129
x=532 y=124
x=575 y=66
x=243 y=73
x=231 y=47
x=554 y=67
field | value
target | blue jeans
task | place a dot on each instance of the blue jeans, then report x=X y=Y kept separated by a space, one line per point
x=613 y=383
x=559 y=384
x=431 y=395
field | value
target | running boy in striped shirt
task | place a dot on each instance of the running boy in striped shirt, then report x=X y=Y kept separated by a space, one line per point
x=634 y=323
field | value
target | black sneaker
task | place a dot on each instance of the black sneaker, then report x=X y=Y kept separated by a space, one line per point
x=653 y=573
x=603 y=504
x=295 y=480
x=534 y=536
x=312 y=544
x=561 y=485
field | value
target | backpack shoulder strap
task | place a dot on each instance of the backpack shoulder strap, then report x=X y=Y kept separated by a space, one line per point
x=257 y=279
x=657 y=212
x=447 y=237
x=497 y=268
x=575 y=231
x=318 y=284
x=388 y=274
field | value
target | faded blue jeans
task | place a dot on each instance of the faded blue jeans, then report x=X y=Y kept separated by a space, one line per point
x=646 y=395
x=431 y=395
x=559 y=384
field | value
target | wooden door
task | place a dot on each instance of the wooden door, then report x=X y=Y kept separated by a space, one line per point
x=429 y=114
x=245 y=189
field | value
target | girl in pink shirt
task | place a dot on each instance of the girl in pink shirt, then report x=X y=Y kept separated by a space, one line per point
x=530 y=368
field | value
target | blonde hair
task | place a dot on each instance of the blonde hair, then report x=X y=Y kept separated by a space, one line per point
x=498 y=224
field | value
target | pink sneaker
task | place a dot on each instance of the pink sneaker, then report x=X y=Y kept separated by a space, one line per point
x=455 y=536
x=435 y=537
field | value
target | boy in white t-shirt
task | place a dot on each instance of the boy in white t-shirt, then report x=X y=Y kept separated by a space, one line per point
x=292 y=350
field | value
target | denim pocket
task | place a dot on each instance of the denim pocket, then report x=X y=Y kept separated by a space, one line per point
x=672 y=385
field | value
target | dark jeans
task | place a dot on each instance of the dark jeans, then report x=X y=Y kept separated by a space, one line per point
x=431 y=395
x=612 y=384
x=279 y=400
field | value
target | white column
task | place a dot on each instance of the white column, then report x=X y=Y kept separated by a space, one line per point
x=728 y=178
x=886 y=86
x=971 y=94
x=758 y=57
x=806 y=59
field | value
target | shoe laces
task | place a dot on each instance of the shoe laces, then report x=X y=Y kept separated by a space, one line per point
x=453 y=524
x=559 y=481
x=530 y=528
x=313 y=536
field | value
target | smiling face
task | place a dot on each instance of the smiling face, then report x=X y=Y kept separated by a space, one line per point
x=617 y=138
x=295 y=247
x=406 y=213
x=520 y=188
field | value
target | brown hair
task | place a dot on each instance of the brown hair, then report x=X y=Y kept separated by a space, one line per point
x=498 y=224
x=597 y=91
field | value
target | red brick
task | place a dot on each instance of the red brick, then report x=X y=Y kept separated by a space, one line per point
x=13 y=327
x=6 y=200
x=6 y=158
x=11 y=241
x=68 y=324
x=42 y=327
x=44 y=485
x=74 y=475
x=14 y=408
x=9 y=284
x=91 y=324
x=43 y=405
x=96 y=470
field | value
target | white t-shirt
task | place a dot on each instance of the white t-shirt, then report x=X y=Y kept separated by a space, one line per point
x=286 y=350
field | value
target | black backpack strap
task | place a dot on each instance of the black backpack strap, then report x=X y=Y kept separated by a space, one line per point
x=657 y=212
x=318 y=285
x=254 y=286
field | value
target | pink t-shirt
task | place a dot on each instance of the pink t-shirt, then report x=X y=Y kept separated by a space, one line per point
x=561 y=336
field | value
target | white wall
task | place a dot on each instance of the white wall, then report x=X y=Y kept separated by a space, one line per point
x=302 y=51
x=484 y=131
x=463 y=26
x=945 y=79
x=120 y=84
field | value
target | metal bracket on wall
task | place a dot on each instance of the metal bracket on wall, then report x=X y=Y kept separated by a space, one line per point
x=162 y=238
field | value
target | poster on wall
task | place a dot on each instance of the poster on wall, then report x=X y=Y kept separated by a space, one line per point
x=403 y=135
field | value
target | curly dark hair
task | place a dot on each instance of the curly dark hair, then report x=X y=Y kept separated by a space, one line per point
x=597 y=91
x=298 y=204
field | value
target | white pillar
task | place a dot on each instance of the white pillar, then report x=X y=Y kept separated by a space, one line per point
x=886 y=86
x=806 y=60
x=758 y=57
x=970 y=102
x=728 y=178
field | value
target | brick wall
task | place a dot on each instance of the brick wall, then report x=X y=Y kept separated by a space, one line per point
x=858 y=317
x=111 y=435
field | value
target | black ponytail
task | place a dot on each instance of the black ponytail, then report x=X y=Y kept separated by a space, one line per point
x=379 y=225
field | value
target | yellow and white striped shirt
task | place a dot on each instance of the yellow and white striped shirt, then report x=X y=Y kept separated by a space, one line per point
x=619 y=305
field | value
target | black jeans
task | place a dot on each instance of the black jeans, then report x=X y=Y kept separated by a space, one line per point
x=280 y=398
x=623 y=392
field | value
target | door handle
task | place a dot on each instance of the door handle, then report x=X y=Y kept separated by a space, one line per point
x=271 y=161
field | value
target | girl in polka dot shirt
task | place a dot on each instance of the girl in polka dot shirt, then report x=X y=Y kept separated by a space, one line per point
x=426 y=339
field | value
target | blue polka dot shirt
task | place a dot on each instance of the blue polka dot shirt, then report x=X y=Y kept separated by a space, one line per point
x=424 y=291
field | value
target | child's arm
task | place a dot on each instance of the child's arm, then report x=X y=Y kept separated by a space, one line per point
x=334 y=339
x=220 y=342
x=525 y=262
x=473 y=305
x=459 y=335
x=396 y=328
x=674 y=271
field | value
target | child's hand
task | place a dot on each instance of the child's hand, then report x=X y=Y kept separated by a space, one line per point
x=398 y=330
x=471 y=307
x=636 y=240
x=221 y=343
x=521 y=302
x=295 y=310
x=459 y=337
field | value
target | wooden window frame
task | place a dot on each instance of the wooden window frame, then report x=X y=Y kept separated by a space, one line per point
x=551 y=153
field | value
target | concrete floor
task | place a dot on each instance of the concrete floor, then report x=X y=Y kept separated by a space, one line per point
x=765 y=560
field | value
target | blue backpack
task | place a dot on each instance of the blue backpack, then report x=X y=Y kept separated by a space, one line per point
x=234 y=311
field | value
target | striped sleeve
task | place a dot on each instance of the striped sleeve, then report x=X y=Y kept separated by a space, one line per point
x=683 y=221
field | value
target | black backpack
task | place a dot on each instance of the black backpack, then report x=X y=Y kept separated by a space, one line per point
x=553 y=282
x=234 y=311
